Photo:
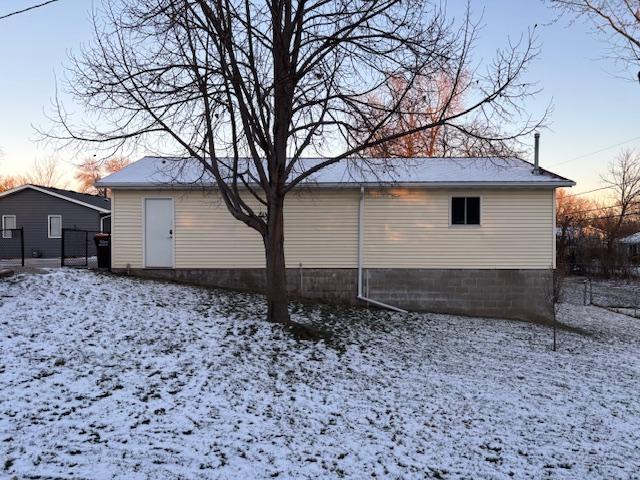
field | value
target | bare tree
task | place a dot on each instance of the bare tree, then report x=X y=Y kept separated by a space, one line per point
x=91 y=170
x=46 y=173
x=618 y=20
x=433 y=97
x=624 y=179
x=42 y=172
x=115 y=164
x=88 y=172
x=573 y=215
x=7 y=182
x=430 y=97
x=248 y=87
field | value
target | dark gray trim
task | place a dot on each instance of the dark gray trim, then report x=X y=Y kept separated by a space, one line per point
x=94 y=202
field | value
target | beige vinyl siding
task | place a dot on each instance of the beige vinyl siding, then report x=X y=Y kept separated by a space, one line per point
x=321 y=230
x=207 y=236
x=126 y=229
x=411 y=229
x=404 y=228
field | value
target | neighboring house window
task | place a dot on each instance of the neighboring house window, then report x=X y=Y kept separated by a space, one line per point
x=55 y=226
x=465 y=210
x=8 y=224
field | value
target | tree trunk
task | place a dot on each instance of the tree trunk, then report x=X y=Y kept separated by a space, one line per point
x=278 y=310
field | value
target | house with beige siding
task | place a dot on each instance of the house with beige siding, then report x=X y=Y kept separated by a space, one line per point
x=472 y=236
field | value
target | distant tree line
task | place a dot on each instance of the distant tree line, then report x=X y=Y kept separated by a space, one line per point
x=589 y=231
x=48 y=173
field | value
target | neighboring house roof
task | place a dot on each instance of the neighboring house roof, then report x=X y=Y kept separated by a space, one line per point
x=154 y=172
x=95 y=202
x=631 y=239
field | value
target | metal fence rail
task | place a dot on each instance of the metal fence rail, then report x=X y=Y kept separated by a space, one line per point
x=78 y=249
x=12 y=247
x=618 y=295
x=614 y=294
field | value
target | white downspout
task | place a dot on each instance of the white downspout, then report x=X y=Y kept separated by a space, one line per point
x=360 y=259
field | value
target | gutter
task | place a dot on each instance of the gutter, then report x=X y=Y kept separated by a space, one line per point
x=360 y=259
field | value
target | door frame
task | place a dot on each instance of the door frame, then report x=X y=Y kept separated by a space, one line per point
x=144 y=231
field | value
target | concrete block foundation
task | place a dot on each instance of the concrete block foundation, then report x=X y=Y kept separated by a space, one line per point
x=514 y=294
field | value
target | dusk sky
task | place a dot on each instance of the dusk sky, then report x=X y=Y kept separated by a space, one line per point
x=594 y=108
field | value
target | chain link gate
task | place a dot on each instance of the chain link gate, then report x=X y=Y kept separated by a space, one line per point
x=12 y=247
x=78 y=248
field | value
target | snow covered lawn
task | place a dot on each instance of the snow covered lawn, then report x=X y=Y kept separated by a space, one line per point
x=108 y=377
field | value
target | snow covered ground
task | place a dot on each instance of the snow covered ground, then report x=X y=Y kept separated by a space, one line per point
x=108 y=377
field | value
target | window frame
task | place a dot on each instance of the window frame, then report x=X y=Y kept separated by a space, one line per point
x=8 y=234
x=465 y=225
x=49 y=217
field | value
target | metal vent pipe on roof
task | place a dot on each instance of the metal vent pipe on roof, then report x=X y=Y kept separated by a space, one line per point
x=536 y=154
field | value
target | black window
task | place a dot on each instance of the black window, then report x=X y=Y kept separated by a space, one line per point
x=465 y=211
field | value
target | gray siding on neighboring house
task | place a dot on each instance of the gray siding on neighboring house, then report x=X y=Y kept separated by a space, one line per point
x=32 y=209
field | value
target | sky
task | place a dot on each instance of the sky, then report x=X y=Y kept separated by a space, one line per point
x=594 y=108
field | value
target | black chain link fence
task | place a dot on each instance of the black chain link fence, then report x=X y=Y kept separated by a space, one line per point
x=11 y=247
x=78 y=248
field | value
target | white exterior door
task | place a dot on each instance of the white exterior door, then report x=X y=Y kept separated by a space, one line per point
x=158 y=232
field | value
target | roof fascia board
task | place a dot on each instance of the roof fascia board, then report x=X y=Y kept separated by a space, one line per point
x=53 y=194
x=169 y=186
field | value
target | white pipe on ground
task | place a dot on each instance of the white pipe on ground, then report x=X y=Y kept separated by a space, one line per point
x=360 y=259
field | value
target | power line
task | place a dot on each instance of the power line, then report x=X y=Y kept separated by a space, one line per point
x=606 y=207
x=595 y=152
x=590 y=191
x=32 y=7
x=604 y=217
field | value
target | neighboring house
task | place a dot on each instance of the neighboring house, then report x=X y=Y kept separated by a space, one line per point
x=468 y=236
x=631 y=244
x=43 y=212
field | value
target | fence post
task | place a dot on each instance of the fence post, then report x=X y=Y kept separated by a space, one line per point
x=22 y=244
x=62 y=248
x=86 y=248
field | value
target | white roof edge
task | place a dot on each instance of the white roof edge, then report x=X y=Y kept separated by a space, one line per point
x=633 y=238
x=53 y=194
x=151 y=186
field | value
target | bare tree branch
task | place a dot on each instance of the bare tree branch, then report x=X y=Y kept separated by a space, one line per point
x=617 y=20
x=248 y=88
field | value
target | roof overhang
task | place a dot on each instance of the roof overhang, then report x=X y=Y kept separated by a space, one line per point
x=53 y=194
x=196 y=186
x=631 y=240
